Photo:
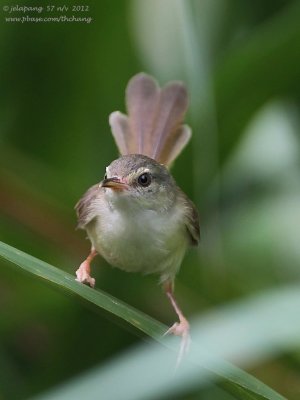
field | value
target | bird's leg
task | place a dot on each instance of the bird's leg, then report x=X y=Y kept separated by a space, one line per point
x=181 y=328
x=83 y=272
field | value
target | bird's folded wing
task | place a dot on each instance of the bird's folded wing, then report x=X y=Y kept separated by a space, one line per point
x=85 y=208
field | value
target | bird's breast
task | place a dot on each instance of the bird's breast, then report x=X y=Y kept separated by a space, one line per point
x=143 y=240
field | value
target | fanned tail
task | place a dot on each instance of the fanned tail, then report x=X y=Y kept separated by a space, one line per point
x=153 y=126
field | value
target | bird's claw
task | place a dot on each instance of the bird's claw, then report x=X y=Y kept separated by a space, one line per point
x=84 y=276
x=182 y=329
x=179 y=329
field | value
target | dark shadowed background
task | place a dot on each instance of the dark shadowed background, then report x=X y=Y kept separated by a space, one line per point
x=59 y=83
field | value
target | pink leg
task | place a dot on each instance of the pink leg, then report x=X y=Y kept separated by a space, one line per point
x=83 y=272
x=181 y=328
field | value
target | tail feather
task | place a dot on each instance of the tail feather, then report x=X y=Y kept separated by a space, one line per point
x=172 y=107
x=154 y=123
x=121 y=132
x=178 y=142
x=142 y=100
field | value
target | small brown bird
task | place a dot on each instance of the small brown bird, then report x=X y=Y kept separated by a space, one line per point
x=137 y=218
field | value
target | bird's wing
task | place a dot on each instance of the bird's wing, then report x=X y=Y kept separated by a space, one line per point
x=192 y=221
x=85 y=207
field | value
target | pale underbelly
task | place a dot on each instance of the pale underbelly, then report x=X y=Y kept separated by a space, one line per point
x=139 y=248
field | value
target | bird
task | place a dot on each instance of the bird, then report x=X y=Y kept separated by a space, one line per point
x=137 y=218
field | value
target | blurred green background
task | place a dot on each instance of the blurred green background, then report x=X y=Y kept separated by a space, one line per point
x=59 y=83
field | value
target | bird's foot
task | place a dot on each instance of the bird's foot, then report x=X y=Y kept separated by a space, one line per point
x=182 y=329
x=83 y=274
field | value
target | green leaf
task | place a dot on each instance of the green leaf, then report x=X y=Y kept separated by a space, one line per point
x=232 y=379
x=66 y=281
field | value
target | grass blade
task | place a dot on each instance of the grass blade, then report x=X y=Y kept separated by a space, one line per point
x=232 y=379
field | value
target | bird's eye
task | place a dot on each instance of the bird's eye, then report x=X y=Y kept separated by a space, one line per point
x=144 y=179
x=105 y=176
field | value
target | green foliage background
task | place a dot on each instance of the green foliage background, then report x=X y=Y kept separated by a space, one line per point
x=59 y=82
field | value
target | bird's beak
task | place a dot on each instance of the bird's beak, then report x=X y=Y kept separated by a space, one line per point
x=114 y=183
